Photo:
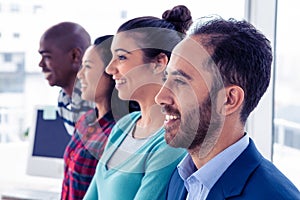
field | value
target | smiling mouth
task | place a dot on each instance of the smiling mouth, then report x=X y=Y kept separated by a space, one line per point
x=47 y=74
x=120 y=81
x=169 y=118
x=83 y=86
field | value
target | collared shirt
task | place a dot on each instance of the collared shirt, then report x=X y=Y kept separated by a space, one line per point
x=83 y=153
x=71 y=109
x=199 y=182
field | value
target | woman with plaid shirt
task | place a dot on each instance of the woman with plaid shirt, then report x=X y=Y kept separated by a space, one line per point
x=92 y=129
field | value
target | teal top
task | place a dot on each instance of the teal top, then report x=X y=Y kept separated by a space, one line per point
x=143 y=175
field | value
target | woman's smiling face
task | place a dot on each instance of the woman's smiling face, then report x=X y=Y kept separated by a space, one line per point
x=128 y=67
x=95 y=83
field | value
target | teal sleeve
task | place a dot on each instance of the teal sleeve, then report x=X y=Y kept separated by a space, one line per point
x=158 y=173
x=92 y=193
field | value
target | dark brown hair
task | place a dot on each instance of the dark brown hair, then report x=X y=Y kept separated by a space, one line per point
x=155 y=35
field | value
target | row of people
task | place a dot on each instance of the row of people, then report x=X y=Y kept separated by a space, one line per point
x=194 y=91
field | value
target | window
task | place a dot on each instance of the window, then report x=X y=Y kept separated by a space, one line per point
x=12 y=72
x=123 y=14
x=286 y=147
x=14 y=8
x=37 y=8
x=7 y=57
x=16 y=35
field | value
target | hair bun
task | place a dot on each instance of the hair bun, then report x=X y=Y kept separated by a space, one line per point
x=180 y=17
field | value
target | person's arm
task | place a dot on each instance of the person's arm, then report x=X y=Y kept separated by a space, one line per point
x=159 y=169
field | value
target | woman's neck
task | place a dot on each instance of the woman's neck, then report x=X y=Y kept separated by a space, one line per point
x=103 y=106
x=151 y=120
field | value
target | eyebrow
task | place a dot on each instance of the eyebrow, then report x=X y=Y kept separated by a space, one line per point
x=180 y=73
x=120 y=49
x=44 y=51
x=88 y=61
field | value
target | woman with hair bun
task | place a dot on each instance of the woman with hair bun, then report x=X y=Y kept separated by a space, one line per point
x=137 y=163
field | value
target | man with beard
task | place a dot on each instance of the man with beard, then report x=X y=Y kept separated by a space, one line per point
x=215 y=78
x=62 y=47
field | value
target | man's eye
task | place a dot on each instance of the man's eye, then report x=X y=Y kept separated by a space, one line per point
x=46 y=57
x=120 y=57
x=179 y=81
x=87 y=66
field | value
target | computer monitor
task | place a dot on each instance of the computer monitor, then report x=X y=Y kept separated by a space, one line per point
x=48 y=138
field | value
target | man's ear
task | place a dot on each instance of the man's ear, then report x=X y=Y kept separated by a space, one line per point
x=161 y=62
x=76 y=55
x=233 y=99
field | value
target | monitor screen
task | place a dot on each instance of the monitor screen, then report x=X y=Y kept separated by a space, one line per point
x=48 y=138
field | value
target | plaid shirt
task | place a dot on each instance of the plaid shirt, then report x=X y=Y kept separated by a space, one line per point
x=83 y=153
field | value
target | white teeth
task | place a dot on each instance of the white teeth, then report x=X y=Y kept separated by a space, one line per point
x=46 y=74
x=83 y=85
x=171 y=117
x=120 y=81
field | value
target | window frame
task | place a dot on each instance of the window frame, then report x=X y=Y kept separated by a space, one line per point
x=262 y=14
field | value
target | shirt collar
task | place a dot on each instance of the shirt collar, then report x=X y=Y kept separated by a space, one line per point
x=209 y=173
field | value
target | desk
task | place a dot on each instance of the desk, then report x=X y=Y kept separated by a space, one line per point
x=12 y=170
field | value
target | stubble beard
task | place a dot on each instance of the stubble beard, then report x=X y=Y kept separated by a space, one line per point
x=198 y=129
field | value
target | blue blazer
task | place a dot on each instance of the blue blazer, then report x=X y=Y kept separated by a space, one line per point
x=249 y=177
